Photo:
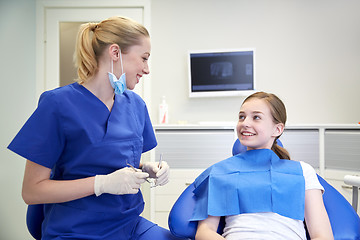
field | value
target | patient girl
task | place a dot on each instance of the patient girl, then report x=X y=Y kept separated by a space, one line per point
x=262 y=193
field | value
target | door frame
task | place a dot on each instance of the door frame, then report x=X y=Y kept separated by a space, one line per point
x=43 y=5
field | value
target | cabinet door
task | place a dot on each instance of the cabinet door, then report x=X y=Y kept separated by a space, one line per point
x=166 y=196
x=194 y=149
x=188 y=152
x=302 y=145
x=342 y=149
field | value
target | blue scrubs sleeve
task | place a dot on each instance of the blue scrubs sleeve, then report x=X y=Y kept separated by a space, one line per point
x=41 y=139
x=148 y=134
x=143 y=119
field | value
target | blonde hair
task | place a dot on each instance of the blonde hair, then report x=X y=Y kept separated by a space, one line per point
x=278 y=112
x=93 y=38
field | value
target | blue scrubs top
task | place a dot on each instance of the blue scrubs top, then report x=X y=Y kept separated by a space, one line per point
x=73 y=133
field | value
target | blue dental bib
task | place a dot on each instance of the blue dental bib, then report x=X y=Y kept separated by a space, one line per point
x=251 y=182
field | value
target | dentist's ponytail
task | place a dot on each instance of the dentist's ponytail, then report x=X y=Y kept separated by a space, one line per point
x=94 y=38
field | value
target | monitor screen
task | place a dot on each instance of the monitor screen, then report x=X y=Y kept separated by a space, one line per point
x=221 y=72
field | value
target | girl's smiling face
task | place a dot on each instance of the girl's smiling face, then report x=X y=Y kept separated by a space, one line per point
x=256 y=128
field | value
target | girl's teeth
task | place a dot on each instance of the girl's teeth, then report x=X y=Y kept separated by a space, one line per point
x=248 y=134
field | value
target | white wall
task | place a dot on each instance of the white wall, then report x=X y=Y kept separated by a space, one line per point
x=308 y=53
x=17 y=101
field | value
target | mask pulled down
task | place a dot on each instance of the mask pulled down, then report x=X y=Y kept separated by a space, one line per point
x=119 y=85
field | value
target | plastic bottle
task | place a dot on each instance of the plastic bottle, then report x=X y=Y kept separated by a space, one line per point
x=163 y=112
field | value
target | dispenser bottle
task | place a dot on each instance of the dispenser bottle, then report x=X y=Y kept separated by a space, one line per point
x=163 y=112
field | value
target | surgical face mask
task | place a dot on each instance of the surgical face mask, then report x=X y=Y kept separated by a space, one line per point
x=119 y=85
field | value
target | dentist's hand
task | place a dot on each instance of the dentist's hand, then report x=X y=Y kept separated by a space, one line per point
x=122 y=181
x=160 y=173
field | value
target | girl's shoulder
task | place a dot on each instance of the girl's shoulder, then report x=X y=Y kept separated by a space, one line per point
x=307 y=168
x=310 y=176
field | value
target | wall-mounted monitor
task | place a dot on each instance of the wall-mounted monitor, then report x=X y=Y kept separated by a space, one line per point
x=220 y=73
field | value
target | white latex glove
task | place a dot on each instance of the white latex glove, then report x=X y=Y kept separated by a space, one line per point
x=122 y=181
x=160 y=174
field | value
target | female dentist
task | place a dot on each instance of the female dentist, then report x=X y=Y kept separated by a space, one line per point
x=84 y=141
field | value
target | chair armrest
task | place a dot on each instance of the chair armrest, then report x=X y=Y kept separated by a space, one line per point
x=344 y=220
x=34 y=219
x=181 y=213
x=354 y=181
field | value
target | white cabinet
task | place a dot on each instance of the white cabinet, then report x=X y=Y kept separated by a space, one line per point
x=342 y=157
x=333 y=151
x=166 y=196
x=302 y=144
x=342 y=149
x=188 y=150
x=193 y=148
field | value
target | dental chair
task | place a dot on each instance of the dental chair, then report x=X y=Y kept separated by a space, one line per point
x=344 y=220
x=353 y=181
x=34 y=219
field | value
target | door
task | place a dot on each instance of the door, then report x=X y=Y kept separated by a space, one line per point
x=64 y=15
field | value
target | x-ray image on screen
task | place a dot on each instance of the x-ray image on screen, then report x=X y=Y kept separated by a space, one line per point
x=221 y=72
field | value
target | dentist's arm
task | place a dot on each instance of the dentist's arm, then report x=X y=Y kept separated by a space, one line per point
x=39 y=188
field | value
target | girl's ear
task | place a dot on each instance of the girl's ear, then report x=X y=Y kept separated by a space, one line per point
x=114 y=51
x=278 y=129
